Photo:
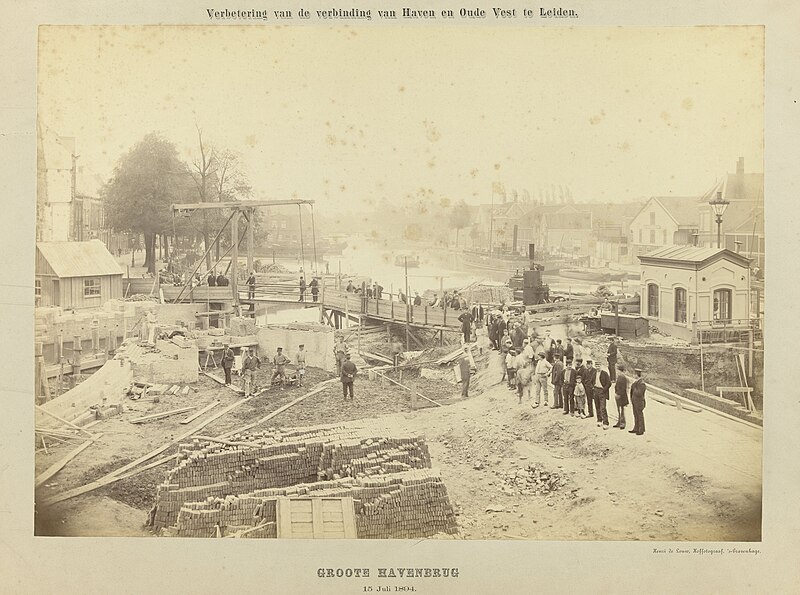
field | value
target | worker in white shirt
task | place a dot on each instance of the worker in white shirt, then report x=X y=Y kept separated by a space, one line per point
x=541 y=375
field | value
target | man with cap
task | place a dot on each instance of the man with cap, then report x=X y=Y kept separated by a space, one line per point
x=621 y=395
x=557 y=378
x=466 y=325
x=212 y=279
x=611 y=357
x=540 y=376
x=280 y=361
x=249 y=366
x=602 y=382
x=548 y=346
x=568 y=388
x=588 y=376
x=340 y=350
x=302 y=289
x=349 y=371
x=251 y=286
x=228 y=358
x=558 y=351
x=638 y=403
x=300 y=363
x=463 y=367
x=511 y=368
x=569 y=351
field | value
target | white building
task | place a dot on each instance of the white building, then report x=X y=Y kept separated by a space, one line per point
x=686 y=290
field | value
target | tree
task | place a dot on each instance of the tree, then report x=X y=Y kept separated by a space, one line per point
x=146 y=181
x=460 y=217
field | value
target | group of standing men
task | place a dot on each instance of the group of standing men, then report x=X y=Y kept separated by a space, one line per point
x=251 y=362
x=313 y=286
x=578 y=382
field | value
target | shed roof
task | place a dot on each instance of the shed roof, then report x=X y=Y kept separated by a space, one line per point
x=79 y=259
x=692 y=254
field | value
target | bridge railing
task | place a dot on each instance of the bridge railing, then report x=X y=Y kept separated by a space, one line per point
x=391 y=310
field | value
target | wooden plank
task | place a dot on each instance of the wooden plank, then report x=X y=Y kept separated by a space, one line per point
x=114 y=475
x=56 y=467
x=146 y=418
x=205 y=409
x=409 y=389
x=283 y=518
x=63 y=421
x=349 y=518
x=318 y=522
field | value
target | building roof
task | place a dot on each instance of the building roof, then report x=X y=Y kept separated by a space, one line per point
x=79 y=259
x=692 y=255
x=684 y=209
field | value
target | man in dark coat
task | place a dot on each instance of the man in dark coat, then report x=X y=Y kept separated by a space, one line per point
x=588 y=374
x=466 y=325
x=558 y=351
x=251 y=286
x=557 y=378
x=302 y=290
x=491 y=330
x=568 y=389
x=517 y=337
x=621 y=396
x=638 y=389
x=611 y=357
x=212 y=279
x=569 y=351
x=315 y=290
x=349 y=371
x=602 y=382
x=228 y=358
x=221 y=280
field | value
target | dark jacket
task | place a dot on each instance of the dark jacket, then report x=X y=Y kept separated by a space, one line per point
x=605 y=382
x=611 y=354
x=212 y=281
x=228 y=358
x=638 y=389
x=557 y=374
x=621 y=389
x=466 y=321
x=570 y=375
x=569 y=351
x=348 y=371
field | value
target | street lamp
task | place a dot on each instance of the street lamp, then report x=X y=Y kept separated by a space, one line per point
x=719 y=205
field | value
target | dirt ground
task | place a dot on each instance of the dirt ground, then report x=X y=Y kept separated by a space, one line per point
x=512 y=472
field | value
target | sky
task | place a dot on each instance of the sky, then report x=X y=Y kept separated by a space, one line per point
x=350 y=115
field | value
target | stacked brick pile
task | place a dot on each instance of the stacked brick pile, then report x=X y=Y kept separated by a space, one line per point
x=225 y=488
x=410 y=504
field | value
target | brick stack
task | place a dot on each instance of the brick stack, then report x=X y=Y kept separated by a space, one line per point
x=234 y=488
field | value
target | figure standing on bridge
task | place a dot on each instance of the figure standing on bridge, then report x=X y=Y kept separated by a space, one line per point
x=302 y=289
x=251 y=286
x=314 y=289
x=212 y=279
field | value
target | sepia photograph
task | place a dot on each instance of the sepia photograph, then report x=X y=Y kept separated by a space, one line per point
x=449 y=283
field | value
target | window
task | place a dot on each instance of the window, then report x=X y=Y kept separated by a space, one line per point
x=680 y=305
x=722 y=304
x=652 y=300
x=652 y=236
x=91 y=287
x=37 y=291
x=652 y=218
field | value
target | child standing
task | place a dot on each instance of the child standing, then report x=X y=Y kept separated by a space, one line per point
x=580 y=398
x=511 y=367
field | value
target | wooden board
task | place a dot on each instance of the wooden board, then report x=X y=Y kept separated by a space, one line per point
x=316 y=518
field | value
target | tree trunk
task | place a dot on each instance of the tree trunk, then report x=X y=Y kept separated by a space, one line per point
x=150 y=252
x=457 y=230
x=165 y=244
x=206 y=245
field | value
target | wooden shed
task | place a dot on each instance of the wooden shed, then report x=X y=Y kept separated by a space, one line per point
x=76 y=274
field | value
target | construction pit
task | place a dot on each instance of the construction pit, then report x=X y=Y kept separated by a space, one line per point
x=334 y=481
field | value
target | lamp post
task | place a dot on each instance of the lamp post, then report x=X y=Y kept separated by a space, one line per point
x=719 y=205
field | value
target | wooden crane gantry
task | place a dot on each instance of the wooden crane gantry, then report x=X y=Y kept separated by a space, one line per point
x=246 y=207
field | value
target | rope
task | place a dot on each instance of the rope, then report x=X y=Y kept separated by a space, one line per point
x=313 y=238
x=302 y=248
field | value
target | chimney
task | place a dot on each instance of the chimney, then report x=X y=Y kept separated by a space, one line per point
x=740 y=166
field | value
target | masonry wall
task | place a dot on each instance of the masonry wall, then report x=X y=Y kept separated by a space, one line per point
x=109 y=382
x=317 y=338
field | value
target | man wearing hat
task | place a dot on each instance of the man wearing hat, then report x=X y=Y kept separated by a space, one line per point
x=602 y=382
x=300 y=362
x=348 y=375
x=569 y=351
x=249 y=366
x=638 y=403
x=463 y=367
x=280 y=361
x=588 y=376
x=511 y=368
x=228 y=358
x=568 y=388
x=541 y=375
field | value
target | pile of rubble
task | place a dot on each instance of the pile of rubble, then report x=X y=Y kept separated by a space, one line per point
x=533 y=480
